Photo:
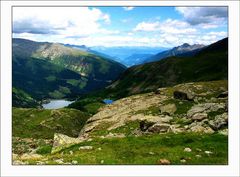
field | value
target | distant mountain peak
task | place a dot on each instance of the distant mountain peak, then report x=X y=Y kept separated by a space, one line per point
x=185 y=45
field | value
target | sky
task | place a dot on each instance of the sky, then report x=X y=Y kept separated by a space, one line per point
x=121 y=26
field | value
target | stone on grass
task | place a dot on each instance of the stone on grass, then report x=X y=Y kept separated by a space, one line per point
x=183 y=161
x=164 y=162
x=187 y=149
x=85 y=148
x=159 y=128
x=208 y=152
x=74 y=162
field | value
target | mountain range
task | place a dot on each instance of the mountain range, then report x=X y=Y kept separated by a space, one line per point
x=129 y=55
x=209 y=63
x=182 y=50
x=52 y=70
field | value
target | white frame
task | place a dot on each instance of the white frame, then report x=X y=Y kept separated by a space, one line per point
x=232 y=169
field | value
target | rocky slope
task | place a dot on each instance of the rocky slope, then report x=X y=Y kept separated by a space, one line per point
x=183 y=124
x=191 y=107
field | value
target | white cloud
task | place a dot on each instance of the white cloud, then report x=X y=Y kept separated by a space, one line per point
x=207 y=17
x=145 y=26
x=128 y=8
x=66 y=21
x=167 y=26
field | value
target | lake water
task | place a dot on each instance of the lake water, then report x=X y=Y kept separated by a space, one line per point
x=108 y=101
x=55 y=104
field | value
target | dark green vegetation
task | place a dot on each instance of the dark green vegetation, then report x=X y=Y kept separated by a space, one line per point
x=209 y=64
x=49 y=70
x=148 y=150
x=89 y=105
x=37 y=123
x=20 y=97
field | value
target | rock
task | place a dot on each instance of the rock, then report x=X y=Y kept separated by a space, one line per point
x=151 y=153
x=187 y=149
x=74 y=162
x=183 y=161
x=159 y=128
x=183 y=95
x=14 y=156
x=62 y=141
x=201 y=129
x=160 y=91
x=59 y=161
x=145 y=124
x=19 y=162
x=115 y=135
x=199 y=116
x=85 y=148
x=223 y=95
x=169 y=108
x=164 y=162
x=208 y=152
x=99 y=149
x=219 y=121
x=198 y=156
x=205 y=108
x=30 y=156
x=223 y=132
x=40 y=163
x=71 y=152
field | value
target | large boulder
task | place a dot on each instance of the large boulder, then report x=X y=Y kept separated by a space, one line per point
x=183 y=95
x=199 y=116
x=62 y=141
x=205 y=108
x=169 y=109
x=219 y=121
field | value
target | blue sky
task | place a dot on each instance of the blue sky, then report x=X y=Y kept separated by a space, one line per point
x=121 y=26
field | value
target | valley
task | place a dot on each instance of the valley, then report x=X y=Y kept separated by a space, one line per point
x=169 y=108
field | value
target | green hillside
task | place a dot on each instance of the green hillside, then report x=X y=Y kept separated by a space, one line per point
x=22 y=98
x=209 y=64
x=49 y=70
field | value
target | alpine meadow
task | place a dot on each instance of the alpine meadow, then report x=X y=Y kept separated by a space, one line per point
x=120 y=85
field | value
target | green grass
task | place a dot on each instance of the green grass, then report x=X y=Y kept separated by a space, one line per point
x=137 y=150
x=182 y=105
x=89 y=105
x=44 y=149
x=37 y=123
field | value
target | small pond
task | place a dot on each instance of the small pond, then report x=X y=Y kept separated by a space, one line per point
x=55 y=104
x=108 y=101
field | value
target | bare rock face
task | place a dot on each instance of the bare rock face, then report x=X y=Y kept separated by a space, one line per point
x=62 y=141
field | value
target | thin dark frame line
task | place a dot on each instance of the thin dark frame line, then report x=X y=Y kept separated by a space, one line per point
x=117 y=6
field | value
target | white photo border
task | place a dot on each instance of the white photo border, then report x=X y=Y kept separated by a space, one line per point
x=232 y=169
